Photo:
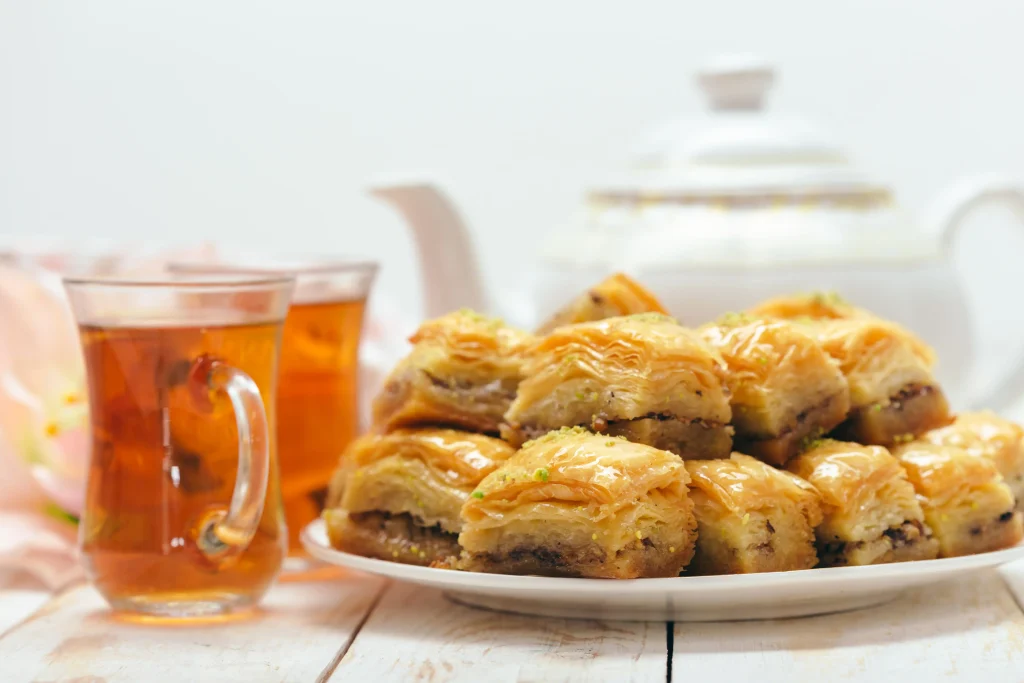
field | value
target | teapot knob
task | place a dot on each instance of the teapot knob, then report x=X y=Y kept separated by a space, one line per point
x=736 y=82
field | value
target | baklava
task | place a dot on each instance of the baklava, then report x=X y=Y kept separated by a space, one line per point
x=614 y=296
x=987 y=435
x=642 y=377
x=399 y=496
x=573 y=503
x=462 y=372
x=785 y=389
x=818 y=307
x=968 y=506
x=871 y=512
x=751 y=517
x=808 y=307
x=893 y=395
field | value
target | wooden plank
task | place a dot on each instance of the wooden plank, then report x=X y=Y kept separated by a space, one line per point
x=415 y=634
x=1013 y=575
x=970 y=629
x=17 y=604
x=298 y=635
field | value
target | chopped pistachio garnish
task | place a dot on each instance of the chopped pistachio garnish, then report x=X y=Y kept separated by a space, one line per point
x=654 y=318
x=877 y=408
x=671 y=548
x=812 y=440
x=556 y=434
x=414 y=548
x=831 y=298
x=394 y=553
x=746 y=517
x=733 y=318
x=639 y=535
x=480 y=317
x=593 y=537
x=540 y=474
x=480 y=494
x=762 y=360
x=423 y=555
x=579 y=396
x=609 y=443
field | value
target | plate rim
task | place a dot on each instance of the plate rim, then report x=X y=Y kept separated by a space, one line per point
x=316 y=530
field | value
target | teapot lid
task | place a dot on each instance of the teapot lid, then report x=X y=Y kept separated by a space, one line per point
x=743 y=150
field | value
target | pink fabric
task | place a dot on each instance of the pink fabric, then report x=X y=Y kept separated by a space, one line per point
x=37 y=551
x=44 y=416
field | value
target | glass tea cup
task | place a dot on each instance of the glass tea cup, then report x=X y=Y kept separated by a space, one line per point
x=318 y=390
x=182 y=513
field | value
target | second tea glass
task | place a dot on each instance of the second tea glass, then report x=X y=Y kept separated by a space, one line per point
x=318 y=388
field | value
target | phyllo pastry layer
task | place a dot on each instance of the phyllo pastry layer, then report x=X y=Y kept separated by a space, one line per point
x=572 y=503
x=987 y=435
x=463 y=372
x=818 y=307
x=965 y=501
x=785 y=389
x=614 y=296
x=643 y=377
x=893 y=395
x=751 y=517
x=392 y=493
x=871 y=512
x=814 y=306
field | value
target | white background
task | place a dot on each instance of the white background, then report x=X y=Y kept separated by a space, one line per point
x=261 y=122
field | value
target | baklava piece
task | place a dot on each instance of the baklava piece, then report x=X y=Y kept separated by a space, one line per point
x=614 y=296
x=966 y=502
x=785 y=389
x=818 y=307
x=987 y=435
x=642 y=377
x=751 y=517
x=815 y=306
x=871 y=512
x=462 y=372
x=894 y=397
x=399 y=496
x=572 y=503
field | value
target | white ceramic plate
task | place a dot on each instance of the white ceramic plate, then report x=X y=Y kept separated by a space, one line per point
x=685 y=598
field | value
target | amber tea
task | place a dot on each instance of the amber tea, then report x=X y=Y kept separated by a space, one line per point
x=165 y=455
x=317 y=391
x=316 y=405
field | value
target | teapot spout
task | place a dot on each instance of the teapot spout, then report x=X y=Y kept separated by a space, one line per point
x=448 y=263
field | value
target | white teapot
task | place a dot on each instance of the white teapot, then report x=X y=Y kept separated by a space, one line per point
x=750 y=206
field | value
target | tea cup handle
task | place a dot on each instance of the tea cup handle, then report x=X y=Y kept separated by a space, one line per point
x=222 y=532
x=948 y=216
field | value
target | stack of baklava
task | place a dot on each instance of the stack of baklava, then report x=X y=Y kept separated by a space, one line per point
x=616 y=443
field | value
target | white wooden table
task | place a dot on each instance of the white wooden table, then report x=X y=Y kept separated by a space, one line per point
x=360 y=628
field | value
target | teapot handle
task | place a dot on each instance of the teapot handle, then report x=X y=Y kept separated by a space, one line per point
x=951 y=212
